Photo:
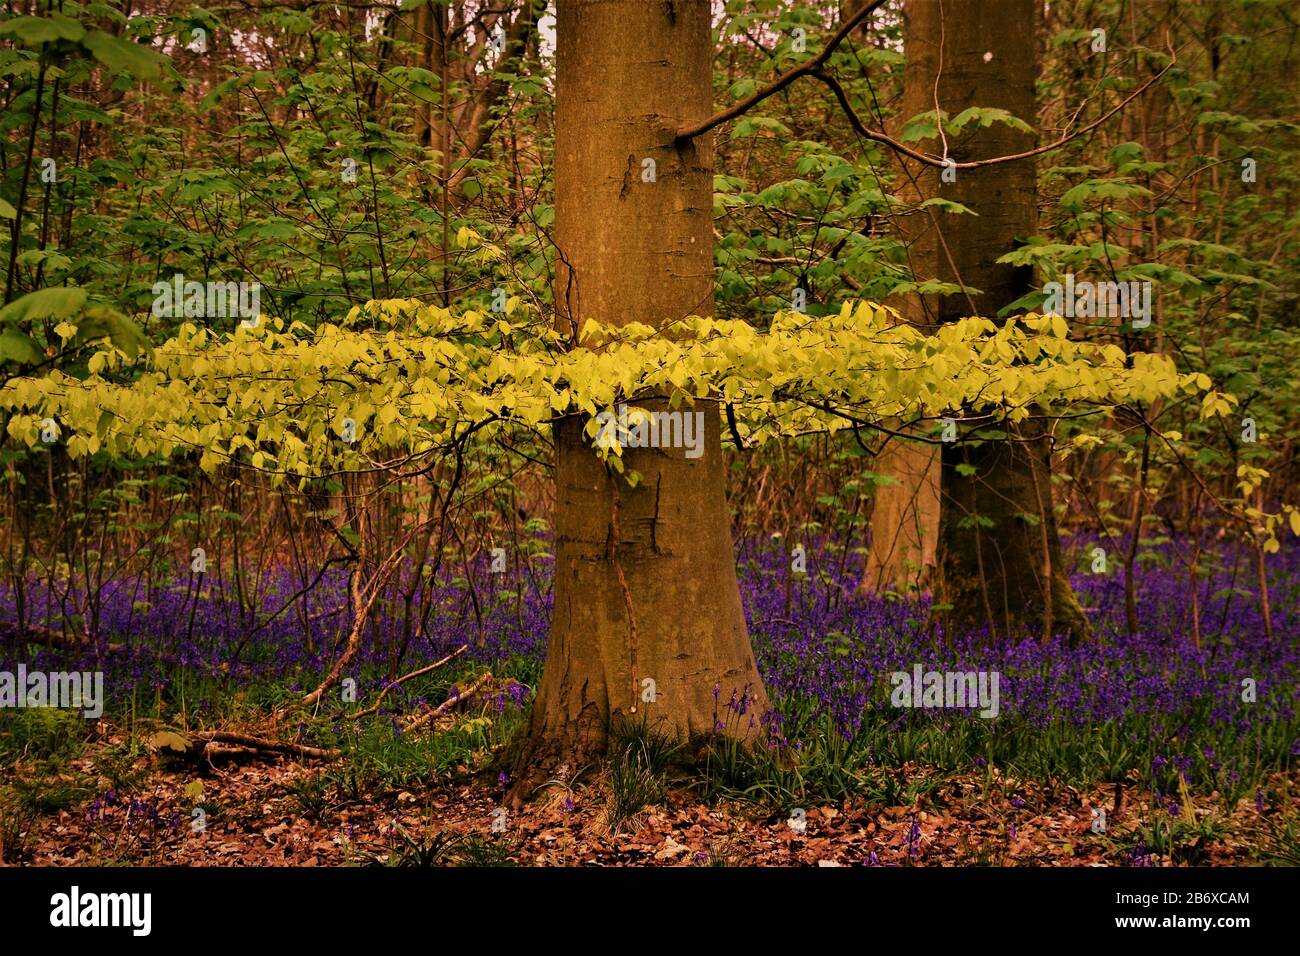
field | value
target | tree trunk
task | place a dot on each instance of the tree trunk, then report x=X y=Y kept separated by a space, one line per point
x=999 y=561
x=902 y=549
x=645 y=583
x=904 y=519
x=995 y=563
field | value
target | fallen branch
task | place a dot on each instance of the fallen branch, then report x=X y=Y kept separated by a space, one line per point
x=363 y=599
x=318 y=615
x=48 y=637
x=436 y=712
x=261 y=743
x=210 y=743
x=401 y=680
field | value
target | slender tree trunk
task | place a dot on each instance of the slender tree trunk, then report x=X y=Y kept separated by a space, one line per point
x=903 y=544
x=999 y=562
x=646 y=597
x=904 y=519
x=428 y=36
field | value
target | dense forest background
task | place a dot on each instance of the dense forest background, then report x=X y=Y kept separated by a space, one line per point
x=367 y=644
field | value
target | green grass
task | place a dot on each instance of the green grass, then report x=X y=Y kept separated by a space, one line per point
x=45 y=795
x=423 y=850
x=16 y=823
x=1281 y=846
x=636 y=773
x=1176 y=840
x=43 y=734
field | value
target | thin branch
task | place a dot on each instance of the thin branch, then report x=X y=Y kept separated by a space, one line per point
x=861 y=129
x=263 y=744
x=460 y=697
x=784 y=80
x=401 y=680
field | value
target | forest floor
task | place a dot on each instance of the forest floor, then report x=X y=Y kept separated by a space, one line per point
x=280 y=811
x=1201 y=727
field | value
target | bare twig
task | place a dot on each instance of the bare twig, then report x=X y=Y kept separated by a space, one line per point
x=423 y=670
x=861 y=129
x=464 y=695
x=782 y=81
x=815 y=68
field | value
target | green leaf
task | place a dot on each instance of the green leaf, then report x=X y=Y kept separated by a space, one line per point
x=33 y=31
x=1113 y=189
x=100 y=321
x=123 y=56
x=947 y=205
x=59 y=302
x=1124 y=153
x=75 y=109
x=986 y=116
x=1026 y=303
x=54 y=260
x=838 y=174
x=919 y=127
x=17 y=347
x=1235 y=123
x=215 y=95
x=272 y=229
x=752 y=124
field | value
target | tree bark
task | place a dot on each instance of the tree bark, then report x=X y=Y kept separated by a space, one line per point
x=645 y=583
x=904 y=519
x=903 y=545
x=999 y=562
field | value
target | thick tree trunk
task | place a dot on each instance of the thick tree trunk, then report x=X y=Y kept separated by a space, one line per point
x=645 y=584
x=999 y=561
